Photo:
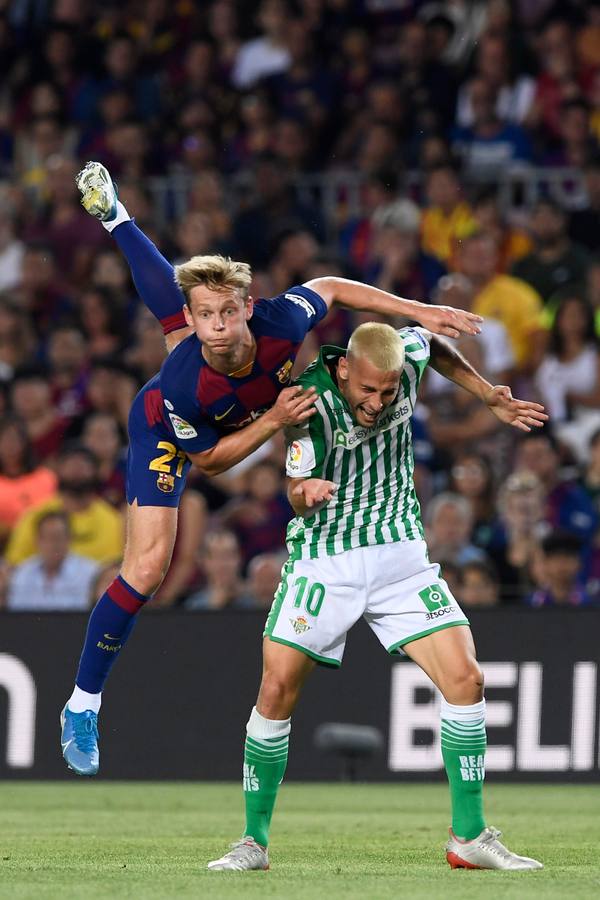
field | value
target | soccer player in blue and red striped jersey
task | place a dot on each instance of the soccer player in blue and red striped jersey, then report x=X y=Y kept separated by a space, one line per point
x=221 y=393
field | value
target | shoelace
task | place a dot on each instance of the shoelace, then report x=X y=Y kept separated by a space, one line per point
x=86 y=733
x=493 y=835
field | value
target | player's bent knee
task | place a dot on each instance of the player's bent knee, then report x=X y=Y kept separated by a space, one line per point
x=277 y=696
x=145 y=573
x=464 y=683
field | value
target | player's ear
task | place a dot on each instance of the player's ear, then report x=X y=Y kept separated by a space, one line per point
x=343 y=368
x=188 y=315
x=249 y=308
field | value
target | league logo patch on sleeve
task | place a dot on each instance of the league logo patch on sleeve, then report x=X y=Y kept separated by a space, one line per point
x=182 y=428
x=294 y=456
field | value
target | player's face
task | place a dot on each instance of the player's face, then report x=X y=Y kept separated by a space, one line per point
x=219 y=318
x=367 y=390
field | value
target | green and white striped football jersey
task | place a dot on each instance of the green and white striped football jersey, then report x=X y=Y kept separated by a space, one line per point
x=373 y=467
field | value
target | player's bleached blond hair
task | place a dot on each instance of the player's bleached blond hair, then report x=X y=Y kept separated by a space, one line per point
x=380 y=344
x=216 y=272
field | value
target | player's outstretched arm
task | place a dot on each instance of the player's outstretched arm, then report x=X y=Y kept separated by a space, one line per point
x=294 y=405
x=521 y=414
x=355 y=295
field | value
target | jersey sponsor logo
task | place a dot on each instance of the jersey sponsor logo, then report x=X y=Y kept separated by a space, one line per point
x=165 y=483
x=182 y=428
x=169 y=405
x=300 y=625
x=303 y=302
x=392 y=417
x=226 y=413
x=439 y=613
x=283 y=374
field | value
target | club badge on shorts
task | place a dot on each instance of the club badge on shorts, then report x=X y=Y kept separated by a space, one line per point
x=165 y=483
x=300 y=625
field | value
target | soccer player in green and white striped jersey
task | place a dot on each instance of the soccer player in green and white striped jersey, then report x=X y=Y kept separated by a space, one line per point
x=357 y=549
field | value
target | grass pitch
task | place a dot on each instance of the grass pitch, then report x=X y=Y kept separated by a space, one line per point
x=83 y=840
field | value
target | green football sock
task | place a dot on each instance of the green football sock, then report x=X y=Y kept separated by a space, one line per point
x=265 y=761
x=463 y=751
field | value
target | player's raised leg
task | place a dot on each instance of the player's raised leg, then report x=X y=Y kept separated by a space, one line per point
x=285 y=670
x=152 y=274
x=448 y=657
x=151 y=534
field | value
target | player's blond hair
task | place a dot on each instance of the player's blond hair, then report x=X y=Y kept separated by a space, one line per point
x=380 y=344
x=216 y=272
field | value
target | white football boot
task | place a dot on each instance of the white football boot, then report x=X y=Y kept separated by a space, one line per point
x=244 y=855
x=486 y=852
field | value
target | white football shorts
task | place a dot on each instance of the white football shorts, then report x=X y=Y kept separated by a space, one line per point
x=394 y=586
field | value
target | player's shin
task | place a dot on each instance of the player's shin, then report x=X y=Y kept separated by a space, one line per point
x=265 y=761
x=109 y=626
x=463 y=751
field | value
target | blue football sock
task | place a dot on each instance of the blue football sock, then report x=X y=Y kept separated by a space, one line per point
x=110 y=624
x=153 y=276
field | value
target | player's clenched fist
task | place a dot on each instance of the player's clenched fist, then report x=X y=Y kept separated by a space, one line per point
x=294 y=405
x=314 y=491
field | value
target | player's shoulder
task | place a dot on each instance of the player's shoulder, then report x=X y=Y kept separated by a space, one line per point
x=297 y=303
x=182 y=363
x=416 y=340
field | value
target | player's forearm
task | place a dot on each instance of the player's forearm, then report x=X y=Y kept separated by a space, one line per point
x=364 y=297
x=296 y=501
x=233 y=448
x=452 y=365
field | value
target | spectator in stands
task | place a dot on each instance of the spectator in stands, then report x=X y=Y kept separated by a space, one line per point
x=147 y=353
x=449 y=524
x=22 y=482
x=566 y=505
x=479 y=586
x=590 y=478
x=505 y=298
x=397 y=263
x=495 y=345
x=512 y=243
x=556 y=262
x=17 y=341
x=472 y=477
x=576 y=146
x=31 y=398
x=11 y=253
x=101 y=435
x=221 y=563
x=268 y=53
x=40 y=292
x=54 y=578
x=260 y=517
x=448 y=218
x=264 y=574
x=101 y=321
x=568 y=379
x=584 y=226
x=490 y=145
x=96 y=527
x=111 y=389
x=558 y=570
x=67 y=353
x=518 y=533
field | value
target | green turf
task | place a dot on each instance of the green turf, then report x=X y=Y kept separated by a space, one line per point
x=85 y=840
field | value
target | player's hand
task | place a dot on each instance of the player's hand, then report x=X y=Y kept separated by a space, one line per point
x=293 y=406
x=314 y=491
x=522 y=414
x=448 y=321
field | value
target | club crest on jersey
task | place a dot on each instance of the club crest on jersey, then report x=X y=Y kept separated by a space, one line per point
x=303 y=302
x=300 y=625
x=182 y=428
x=165 y=483
x=283 y=374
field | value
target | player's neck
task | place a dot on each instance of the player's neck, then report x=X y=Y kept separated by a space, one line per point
x=236 y=362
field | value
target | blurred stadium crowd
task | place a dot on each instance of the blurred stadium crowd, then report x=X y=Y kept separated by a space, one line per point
x=446 y=151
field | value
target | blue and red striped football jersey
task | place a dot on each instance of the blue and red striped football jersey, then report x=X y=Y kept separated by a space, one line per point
x=199 y=405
